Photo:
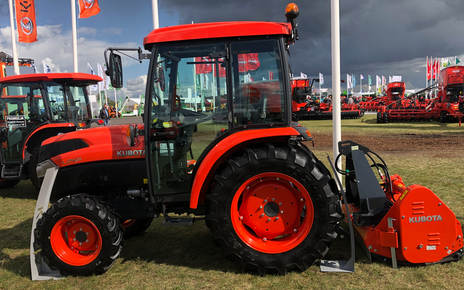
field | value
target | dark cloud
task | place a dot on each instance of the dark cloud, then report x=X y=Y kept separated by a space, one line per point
x=377 y=37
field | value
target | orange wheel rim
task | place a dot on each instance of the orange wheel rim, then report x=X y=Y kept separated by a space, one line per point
x=75 y=240
x=272 y=212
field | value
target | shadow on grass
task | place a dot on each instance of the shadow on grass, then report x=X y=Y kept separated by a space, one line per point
x=23 y=190
x=178 y=246
x=16 y=240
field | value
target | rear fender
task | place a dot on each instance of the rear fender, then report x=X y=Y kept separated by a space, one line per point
x=219 y=153
x=39 y=134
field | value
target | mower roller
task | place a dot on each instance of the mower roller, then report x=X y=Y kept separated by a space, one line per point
x=269 y=203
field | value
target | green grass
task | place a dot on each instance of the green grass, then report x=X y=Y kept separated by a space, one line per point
x=186 y=258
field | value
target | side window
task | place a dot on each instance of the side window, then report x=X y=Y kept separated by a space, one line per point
x=57 y=102
x=77 y=105
x=258 y=94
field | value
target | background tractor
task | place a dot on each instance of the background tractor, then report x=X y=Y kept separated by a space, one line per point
x=34 y=107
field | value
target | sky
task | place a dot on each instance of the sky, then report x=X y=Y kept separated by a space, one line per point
x=377 y=37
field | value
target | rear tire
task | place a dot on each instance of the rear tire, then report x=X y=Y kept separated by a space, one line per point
x=273 y=209
x=32 y=169
x=79 y=236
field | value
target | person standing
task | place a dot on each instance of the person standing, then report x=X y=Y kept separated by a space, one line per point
x=104 y=115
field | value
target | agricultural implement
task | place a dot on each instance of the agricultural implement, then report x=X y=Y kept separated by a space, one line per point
x=34 y=107
x=448 y=106
x=305 y=108
x=269 y=203
x=393 y=93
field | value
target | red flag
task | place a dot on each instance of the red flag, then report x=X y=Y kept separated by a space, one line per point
x=248 y=62
x=25 y=20
x=271 y=75
x=435 y=70
x=203 y=68
x=429 y=66
x=88 y=8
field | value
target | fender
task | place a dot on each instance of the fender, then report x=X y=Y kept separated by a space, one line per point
x=212 y=160
x=64 y=128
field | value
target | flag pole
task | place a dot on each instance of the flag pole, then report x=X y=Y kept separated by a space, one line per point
x=13 y=40
x=335 y=40
x=154 y=5
x=74 y=34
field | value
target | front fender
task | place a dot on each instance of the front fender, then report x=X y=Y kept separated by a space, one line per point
x=224 y=148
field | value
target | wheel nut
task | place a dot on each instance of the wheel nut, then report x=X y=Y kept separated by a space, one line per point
x=86 y=241
x=281 y=211
x=268 y=219
x=273 y=199
x=280 y=203
x=277 y=218
x=260 y=207
x=241 y=218
x=265 y=200
x=295 y=230
x=247 y=187
x=302 y=200
x=262 y=215
x=74 y=232
x=264 y=239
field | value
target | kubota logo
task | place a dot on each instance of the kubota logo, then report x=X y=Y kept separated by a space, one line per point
x=88 y=3
x=26 y=25
x=127 y=153
x=423 y=219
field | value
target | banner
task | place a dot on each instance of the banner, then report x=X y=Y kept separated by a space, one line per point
x=377 y=82
x=349 y=84
x=203 y=68
x=248 y=62
x=25 y=21
x=429 y=69
x=88 y=8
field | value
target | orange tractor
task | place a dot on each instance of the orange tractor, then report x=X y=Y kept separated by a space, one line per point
x=270 y=204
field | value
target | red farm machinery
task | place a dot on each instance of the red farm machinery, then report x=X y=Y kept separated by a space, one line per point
x=34 y=107
x=393 y=93
x=306 y=108
x=446 y=106
x=269 y=203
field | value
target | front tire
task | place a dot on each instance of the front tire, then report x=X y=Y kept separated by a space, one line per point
x=79 y=236
x=273 y=209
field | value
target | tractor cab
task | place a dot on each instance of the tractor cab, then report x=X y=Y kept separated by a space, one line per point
x=233 y=80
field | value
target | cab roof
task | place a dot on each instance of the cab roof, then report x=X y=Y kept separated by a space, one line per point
x=216 y=30
x=56 y=77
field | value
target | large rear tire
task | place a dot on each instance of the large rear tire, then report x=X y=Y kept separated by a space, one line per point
x=273 y=209
x=79 y=236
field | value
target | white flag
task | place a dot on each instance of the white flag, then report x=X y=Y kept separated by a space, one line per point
x=396 y=78
x=321 y=79
x=383 y=81
x=377 y=82
x=92 y=87
x=101 y=73
x=349 y=84
x=303 y=75
x=46 y=68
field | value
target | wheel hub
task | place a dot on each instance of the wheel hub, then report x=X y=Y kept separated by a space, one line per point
x=271 y=209
x=81 y=236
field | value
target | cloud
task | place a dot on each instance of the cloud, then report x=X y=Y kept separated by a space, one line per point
x=137 y=86
x=377 y=37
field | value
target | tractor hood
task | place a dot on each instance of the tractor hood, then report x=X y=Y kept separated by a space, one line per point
x=92 y=145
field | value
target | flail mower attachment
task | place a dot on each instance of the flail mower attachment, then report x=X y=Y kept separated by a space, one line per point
x=407 y=225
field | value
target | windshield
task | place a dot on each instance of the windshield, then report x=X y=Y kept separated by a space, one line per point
x=193 y=78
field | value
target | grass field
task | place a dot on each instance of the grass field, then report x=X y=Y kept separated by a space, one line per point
x=186 y=258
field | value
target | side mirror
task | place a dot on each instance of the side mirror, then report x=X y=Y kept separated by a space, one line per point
x=115 y=70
